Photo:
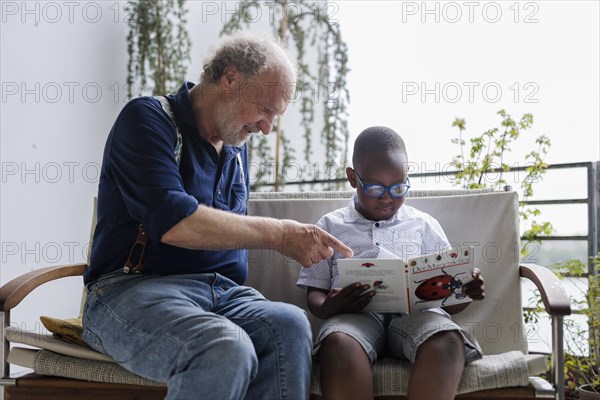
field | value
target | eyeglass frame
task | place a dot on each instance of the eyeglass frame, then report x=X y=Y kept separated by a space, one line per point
x=385 y=188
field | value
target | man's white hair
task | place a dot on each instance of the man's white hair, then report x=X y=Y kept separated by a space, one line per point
x=251 y=53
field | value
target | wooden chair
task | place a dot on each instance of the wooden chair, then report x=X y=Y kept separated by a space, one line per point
x=489 y=221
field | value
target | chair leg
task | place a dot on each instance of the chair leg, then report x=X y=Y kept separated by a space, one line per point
x=4 y=322
x=558 y=356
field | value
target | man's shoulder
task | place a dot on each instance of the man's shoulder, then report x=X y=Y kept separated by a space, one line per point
x=141 y=105
x=143 y=114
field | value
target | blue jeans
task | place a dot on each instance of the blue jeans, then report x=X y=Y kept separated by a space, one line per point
x=202 y=334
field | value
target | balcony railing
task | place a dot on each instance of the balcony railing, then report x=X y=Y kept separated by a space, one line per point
x=592 y=200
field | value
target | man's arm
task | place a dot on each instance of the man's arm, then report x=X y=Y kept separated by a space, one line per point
x=211 y=229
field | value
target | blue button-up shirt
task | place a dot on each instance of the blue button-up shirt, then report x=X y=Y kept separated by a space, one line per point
x=141 y=183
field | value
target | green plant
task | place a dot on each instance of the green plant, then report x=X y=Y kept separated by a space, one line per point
x=306 y=25
x=158 y=45
x=582 y=343
x=487 y=154
x=583 y=370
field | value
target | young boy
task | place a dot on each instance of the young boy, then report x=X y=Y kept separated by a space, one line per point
x=350 y=341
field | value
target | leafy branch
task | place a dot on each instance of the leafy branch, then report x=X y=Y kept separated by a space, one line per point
x=158 y=45
x=307 y=25
x=486 y=154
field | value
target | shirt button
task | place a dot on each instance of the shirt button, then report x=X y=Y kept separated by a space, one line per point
x=377 y=224
x=376 y=243
x=219 y=191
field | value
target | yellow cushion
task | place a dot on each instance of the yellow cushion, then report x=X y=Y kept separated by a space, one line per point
x=67 y=329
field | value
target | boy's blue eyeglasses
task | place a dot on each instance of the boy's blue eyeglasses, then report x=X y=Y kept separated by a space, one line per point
x=376 y=191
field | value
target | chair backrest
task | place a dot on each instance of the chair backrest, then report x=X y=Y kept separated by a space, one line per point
x=487 y=221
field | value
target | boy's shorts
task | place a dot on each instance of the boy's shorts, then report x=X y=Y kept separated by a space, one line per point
x=402 y=333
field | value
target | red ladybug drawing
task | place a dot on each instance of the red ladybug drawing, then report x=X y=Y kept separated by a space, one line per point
x=439 y=287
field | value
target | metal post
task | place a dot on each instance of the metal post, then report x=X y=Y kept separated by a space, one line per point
x=593 y=182
x=558 y=357
x=4 y=366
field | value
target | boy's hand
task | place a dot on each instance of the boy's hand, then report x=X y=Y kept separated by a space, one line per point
x=475 y=288
x=347 y=300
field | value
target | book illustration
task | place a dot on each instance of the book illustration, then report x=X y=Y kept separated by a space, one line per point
x=380 y=286
x=433 y=280
x=439 y=287
x=437 y=279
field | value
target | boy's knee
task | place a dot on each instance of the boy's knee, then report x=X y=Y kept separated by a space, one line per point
x=341 y=343
x=445 y=345
x=448 y=344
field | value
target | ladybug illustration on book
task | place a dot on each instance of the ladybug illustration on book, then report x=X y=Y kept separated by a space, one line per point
x=439 y=287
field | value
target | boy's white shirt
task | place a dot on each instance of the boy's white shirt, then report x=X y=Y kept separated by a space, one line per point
x=408 y=233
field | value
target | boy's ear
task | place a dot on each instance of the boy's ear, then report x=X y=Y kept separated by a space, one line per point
x=351 y=177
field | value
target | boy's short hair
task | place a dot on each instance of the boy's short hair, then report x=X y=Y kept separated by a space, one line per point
x=376 y=139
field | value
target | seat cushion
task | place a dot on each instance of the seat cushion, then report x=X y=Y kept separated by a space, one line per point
x=53 y=343
x=44 y=362
x=390 y=376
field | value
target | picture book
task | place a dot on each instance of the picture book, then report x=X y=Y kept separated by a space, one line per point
x=433 y=280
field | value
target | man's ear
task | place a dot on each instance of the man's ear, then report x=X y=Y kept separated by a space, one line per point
x=351 y=177
x=230 y=74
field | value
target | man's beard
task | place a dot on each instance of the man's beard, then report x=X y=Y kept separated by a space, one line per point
x=228 y=126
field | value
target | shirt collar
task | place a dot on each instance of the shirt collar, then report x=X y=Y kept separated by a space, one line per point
x=352 y=216
x=183 y=107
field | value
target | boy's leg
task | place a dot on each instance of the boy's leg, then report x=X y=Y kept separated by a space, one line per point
x=345 y=369
x=437 y=370
x=347 y=345
x=437 y=348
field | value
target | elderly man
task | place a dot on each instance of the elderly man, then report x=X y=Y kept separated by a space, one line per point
x=170 y=304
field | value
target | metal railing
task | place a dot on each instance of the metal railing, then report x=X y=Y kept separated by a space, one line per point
x=592 y=200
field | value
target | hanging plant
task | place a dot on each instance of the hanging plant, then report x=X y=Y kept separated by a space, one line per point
x=158 y=45
x=306 y=25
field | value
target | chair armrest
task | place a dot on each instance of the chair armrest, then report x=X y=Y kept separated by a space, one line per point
x=14 y=291
x=554 y=296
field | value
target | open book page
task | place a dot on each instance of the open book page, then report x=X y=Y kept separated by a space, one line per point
x=436 y=280
x=384 y=273
x=429 y=281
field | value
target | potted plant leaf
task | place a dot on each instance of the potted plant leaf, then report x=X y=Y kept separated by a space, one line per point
x=590 y=388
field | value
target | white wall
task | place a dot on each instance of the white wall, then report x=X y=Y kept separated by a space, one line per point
x=59 y=63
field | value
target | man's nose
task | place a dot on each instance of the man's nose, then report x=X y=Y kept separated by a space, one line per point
x=266 y=124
